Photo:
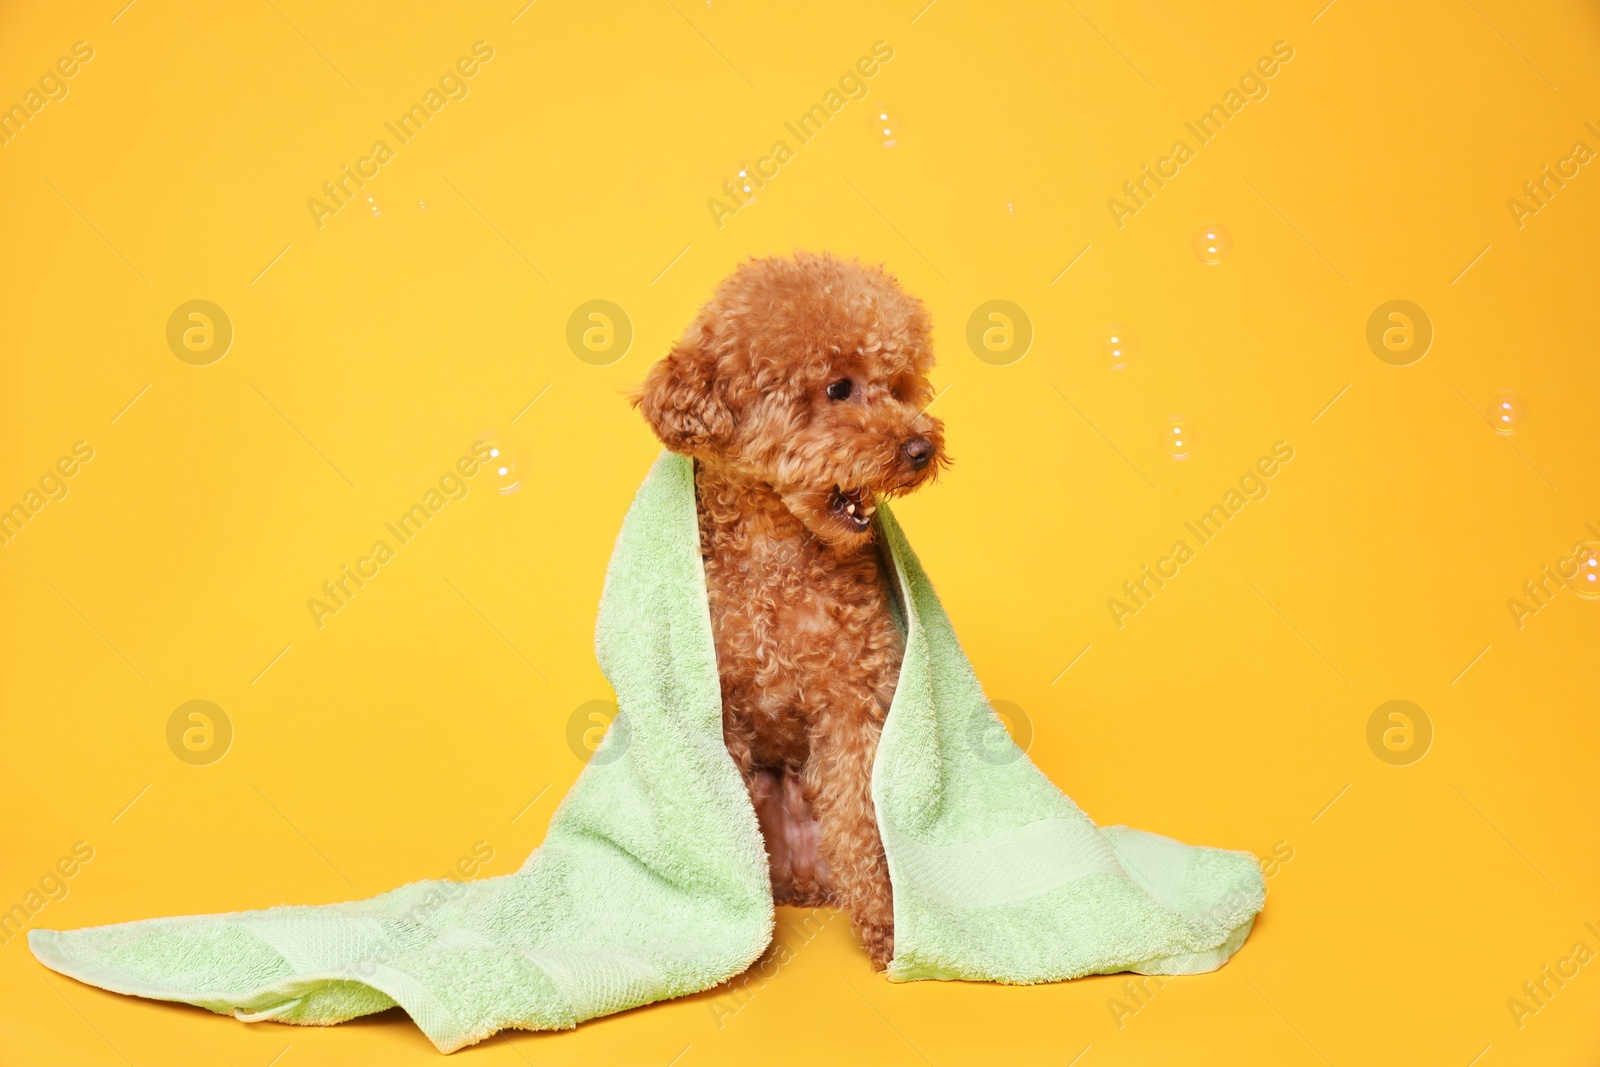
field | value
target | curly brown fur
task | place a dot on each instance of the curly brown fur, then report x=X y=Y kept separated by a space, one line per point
x=786 y=479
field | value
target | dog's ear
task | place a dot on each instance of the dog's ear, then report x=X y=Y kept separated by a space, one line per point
x=684 y=402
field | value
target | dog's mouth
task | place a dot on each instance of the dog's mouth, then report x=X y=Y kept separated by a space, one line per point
x=853 y=507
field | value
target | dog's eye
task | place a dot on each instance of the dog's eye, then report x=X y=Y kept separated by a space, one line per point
x=839 y=390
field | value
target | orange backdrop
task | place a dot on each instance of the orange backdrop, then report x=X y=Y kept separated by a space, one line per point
x=1305 y=289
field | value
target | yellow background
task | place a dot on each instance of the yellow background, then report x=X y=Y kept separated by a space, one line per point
x=435 y=708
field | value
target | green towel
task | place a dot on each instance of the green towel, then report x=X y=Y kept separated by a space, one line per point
x=652 y=879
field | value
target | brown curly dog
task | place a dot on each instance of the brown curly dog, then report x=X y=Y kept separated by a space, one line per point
x=800 y=392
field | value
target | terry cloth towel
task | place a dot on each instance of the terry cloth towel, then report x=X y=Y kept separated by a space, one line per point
x=652 y=880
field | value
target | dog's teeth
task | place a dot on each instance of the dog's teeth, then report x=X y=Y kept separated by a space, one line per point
x=869 y=509
x=851 y=508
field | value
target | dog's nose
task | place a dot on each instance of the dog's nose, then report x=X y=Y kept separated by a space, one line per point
x=919 y=450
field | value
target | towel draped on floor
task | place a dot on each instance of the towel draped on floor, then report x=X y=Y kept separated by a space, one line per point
x=652 y=879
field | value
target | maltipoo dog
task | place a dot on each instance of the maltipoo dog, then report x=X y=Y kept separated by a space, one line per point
x=800 y=392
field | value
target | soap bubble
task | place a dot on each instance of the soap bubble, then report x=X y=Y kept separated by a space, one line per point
x=1120 y=346
x=1178 y=438
x=885 y=126
x=1506 y=412
x=743 y=180
x=503 y=471
x=372 y=206
x=500 y=465
x=1587 y=580
x=1212 y=243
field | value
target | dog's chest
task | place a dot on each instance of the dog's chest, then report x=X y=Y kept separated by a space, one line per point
x=801 y=633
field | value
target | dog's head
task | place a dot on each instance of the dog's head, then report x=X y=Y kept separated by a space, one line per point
x=809 y=375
